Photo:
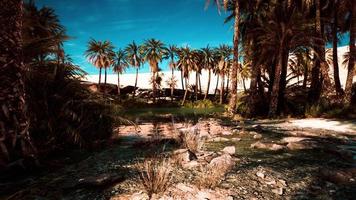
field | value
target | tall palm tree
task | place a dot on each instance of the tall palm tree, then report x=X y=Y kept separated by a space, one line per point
x=100 y=54
x=134 y=59
x=186 y=62
x=224 y=55
x=153 y=52
x=171 y=54
x=235 y=63
x=120 y=64
x=208 y=64
x=14 y=121
x=350 y=7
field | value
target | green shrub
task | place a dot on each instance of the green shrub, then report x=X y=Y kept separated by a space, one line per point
x=62 y=111
x=199 y=104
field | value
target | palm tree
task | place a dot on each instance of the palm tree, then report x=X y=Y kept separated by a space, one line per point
x=171 y=53
x=235 y=4
x=245 y=69
x=120 y=64
x=133 y=54
x=100 y=54
x=186 y=62
x=350 y=7
x=208 y=64
x=153 y=52
x=224 y=55
x=14 y=121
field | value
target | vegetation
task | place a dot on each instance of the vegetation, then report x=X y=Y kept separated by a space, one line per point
x=155 y=175
x=54 y=110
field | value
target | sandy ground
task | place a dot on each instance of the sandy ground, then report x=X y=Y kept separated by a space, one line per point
x=344 y=126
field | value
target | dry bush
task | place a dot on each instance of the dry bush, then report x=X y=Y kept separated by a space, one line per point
x=212 y=176
x=155 y=175
x=191 y=140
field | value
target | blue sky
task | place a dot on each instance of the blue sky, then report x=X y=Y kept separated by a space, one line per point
x=180 y=22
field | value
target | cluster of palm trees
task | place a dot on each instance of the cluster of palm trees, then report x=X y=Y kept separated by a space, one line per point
x=269 y=31
x=185 y=59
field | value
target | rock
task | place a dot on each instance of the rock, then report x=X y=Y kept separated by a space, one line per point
x=270 y=182
x=190 y=165
x=235 y=139
x=253 y=133
x=257 y=136
x=345 y=176
x=278 y=191
x=257 y=127
x=293 y=139
x=282 y=182
x=184 y=188
x=100 y=180
x=301 y=145
x=260 y=174
x=268 y=146
x=222 y=161
x=258 y=145
x=227 y=133
x=183 y=156
x=139 y=196
x=220 y=139
x=276 y=147
x=229 y=150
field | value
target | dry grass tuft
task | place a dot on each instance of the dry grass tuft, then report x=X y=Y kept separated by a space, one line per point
x=191 y=140
x=211 y=177
x=155 y=175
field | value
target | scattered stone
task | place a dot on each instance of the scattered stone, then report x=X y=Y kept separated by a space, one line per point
x=224 y=160
x=278 y=191
x=100 y=180
x=282 y=182
x=190 y=165
x=236 y=139
x=260 y=174
x=257 y=136
x=183 y=156
x=268 y=146
x=257 y=126
x=276 y=147
x=293 y=139
x=229 y=150
x=220 y=139
x=301 y=145
x=227 y=133
x=345 y=176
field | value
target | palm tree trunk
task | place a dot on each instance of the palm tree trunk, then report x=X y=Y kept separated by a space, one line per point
x=351 y=65
x=320 y=65
x=105 y=78
x=15 y=139
x=235 y=63
x=208 y=86
x=134 y=92
x=182 y=79
x=222 y=92
x=154 y=88
x=227 y=83
x=118 y=84
x=244 y=84
x=217 y=85
x=186 y=90
x=276 y=83
x=200 y=91
x=196 y=85
x=99 y=78
x=338 y=88
x=172 y=86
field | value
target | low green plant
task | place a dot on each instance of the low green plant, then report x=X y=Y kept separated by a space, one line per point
x=199 y=104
